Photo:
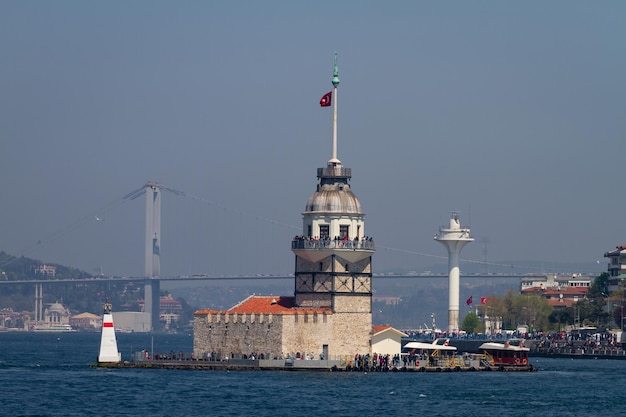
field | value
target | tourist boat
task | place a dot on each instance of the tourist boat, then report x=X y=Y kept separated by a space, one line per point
x=511 y=353
x=441 y=356
x=54 y=328
x=438 y=354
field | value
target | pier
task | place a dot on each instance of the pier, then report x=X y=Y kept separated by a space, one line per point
x=342 y=365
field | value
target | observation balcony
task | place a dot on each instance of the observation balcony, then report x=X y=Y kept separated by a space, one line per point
x=315 y=250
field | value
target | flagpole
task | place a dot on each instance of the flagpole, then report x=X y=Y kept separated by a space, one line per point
x=335 y=81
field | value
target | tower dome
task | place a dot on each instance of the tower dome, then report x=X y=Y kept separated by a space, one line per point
x=333 y=194
x=335 y=198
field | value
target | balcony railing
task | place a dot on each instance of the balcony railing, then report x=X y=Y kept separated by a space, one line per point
x=309 y=243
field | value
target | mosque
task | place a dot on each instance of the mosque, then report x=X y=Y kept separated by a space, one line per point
x=330 y=313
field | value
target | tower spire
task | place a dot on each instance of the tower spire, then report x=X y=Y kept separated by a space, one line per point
x=333 y=160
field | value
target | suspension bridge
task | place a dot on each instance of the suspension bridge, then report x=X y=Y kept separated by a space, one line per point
x=204 y=241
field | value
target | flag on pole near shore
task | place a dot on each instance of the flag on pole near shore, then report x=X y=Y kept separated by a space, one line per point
x=469 y=301
x=483 y=300
x=326 y=100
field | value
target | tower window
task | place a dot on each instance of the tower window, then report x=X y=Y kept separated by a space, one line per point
x=343 y=231
x=310 y=231
x=324 y=231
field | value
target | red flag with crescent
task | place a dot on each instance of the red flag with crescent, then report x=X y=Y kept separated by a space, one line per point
x=326 y=100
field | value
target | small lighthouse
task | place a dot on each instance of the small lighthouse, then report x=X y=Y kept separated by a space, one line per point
x=108 y=344
x=454 y=238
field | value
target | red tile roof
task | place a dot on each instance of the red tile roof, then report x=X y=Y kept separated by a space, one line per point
x=267 y=305
x=565 y=302
x=379 y=328
x=553 y=292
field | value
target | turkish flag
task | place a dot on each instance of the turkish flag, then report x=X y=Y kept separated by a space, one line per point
x=326 y=100
x=469 y=301
x=483 y=300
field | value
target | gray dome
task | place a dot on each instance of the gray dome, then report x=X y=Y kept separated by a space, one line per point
x=334 y=198
x=58 y=307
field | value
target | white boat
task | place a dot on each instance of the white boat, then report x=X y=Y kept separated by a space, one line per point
x=436 y=354
x=55 y=328
x=437 y=344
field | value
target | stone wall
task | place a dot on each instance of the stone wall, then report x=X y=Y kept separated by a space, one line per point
x=235 y=335
x=352 y=333
x=307 y=333
x=313 y=300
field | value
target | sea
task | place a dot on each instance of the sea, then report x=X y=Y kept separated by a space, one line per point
x=49 y=374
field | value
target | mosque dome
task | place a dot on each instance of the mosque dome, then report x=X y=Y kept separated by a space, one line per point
x=57 y=307
x=334 y=198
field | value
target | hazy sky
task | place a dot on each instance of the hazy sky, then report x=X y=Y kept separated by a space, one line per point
x=510 y=112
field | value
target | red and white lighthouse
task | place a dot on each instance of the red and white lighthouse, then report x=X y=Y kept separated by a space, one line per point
x=108 y=343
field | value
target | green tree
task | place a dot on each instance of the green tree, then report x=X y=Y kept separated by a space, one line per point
x=600 y=286
x=533 y=310
x=471 y=322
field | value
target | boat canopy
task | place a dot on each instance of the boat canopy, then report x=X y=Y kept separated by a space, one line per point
x=503 y=346
x=435 y=345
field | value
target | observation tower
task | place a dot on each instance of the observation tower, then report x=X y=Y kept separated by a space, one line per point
x=454 y=238
x=333 y=254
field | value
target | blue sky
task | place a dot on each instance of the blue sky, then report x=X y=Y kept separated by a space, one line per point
x=510 y=112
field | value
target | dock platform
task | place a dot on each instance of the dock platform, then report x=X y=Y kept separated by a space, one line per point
x=307 y=366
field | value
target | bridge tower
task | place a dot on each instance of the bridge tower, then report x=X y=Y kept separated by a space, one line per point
x=333 y=257
x=152 y=286
x=153 y=254
x=454 y=238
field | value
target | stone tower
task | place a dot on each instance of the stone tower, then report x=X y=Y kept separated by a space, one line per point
x=333 y=255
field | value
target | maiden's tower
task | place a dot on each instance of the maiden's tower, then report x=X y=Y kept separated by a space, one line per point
x=330 y=314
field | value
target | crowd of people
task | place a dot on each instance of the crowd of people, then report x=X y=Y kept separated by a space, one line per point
x=374 y=362
x=578 y=342
x=316 y=242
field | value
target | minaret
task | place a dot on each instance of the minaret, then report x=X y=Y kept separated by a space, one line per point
x=333 y=256
x=108 y=344
x=454 y=239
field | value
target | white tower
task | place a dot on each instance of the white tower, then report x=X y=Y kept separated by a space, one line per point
x=108 y=343
x=454 y=239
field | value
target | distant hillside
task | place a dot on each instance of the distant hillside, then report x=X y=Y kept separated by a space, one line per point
x=22 y=268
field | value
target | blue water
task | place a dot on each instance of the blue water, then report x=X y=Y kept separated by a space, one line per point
x=49 y=375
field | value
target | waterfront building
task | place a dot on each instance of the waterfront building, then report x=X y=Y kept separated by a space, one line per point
x=132 y=321
x=617 y=267
x=560 y=291
x=13 y=320
x=86 y=321
x=553 y=281
x=330 y=313
x=386 y=340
